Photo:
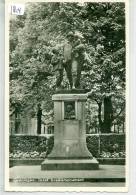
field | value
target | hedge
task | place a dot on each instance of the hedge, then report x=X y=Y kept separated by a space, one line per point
x=27 y=143
x=112 y=142
x=93 y=144
x=100 y=145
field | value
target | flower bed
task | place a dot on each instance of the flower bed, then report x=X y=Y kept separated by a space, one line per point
x=27 y=155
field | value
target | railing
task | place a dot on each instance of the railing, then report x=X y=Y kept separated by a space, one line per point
x=116 y=128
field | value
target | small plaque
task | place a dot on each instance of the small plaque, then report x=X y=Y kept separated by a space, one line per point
x=69 y=110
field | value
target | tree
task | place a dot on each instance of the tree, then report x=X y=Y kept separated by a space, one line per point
x=107 y=73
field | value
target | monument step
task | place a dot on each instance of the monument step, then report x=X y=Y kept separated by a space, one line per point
x=70 y=164
x=106 y=161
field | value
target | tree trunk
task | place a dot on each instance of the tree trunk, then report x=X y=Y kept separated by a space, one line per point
x=99 y=116
x=108 y=115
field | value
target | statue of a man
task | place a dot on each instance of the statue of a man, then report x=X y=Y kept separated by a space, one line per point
x=77 y=61
x=61 y=62
x=72 y=61
x=73 y=54
x=67 y=57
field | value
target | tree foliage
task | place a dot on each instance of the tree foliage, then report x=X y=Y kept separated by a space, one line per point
x=45 y=26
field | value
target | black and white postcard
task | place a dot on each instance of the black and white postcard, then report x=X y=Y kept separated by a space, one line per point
x=66 y=95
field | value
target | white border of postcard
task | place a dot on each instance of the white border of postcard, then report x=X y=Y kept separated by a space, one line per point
x=61 y=189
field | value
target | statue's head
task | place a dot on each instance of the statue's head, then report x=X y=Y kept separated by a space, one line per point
x=39 y=105
x=69 y=107
x=70 y=36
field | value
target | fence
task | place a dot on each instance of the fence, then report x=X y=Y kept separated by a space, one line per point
x=30 y=128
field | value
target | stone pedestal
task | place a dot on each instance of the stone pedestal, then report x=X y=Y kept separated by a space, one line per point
x=70 y=150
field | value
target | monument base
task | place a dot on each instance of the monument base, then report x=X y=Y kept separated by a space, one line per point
x=70 y=151
x=70 y=164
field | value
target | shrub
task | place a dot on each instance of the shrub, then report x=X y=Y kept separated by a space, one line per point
x=27 y=143
x=112 y=143
x=93 y=144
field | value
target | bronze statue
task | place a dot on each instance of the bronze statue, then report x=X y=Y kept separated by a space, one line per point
x=77 y=61
x=72 y=61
